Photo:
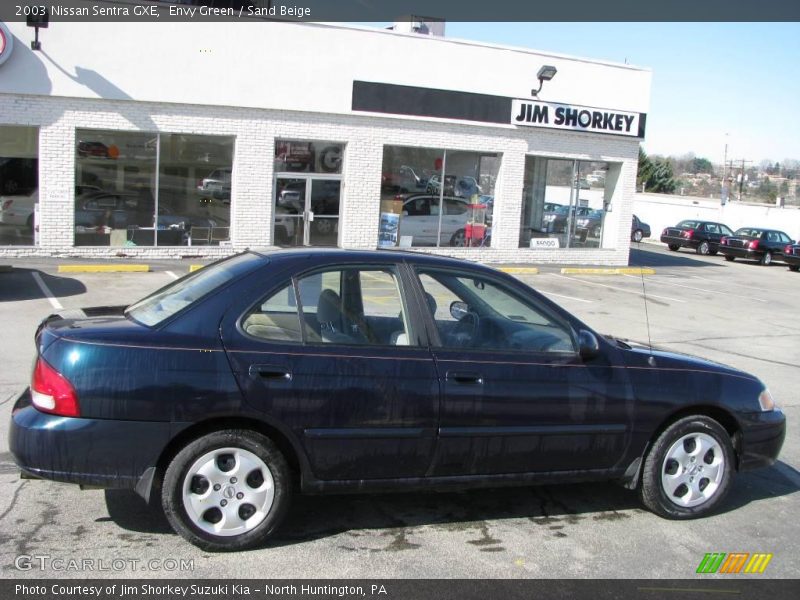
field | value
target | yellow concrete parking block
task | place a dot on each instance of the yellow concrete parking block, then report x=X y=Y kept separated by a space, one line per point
x=608 y=271
x=193 y=268
x=5 y=268
x=103 y=268
x=520 y=270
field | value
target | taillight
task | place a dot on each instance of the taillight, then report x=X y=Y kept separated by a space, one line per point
x=688 y=234
x=724 y=241
x=788 y=249
x=753 y=245
x=7 y=204
x=52 y=393
x=664 y=232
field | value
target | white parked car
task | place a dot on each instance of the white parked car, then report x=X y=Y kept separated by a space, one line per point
x=420 y=220
x=18 y=210
x=216 y=185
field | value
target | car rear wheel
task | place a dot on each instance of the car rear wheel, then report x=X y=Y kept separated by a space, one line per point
x=637 y=236
x=689 y=469
x=766 y=260
x=703 y=248
x=673 y=247
x=730 y=258
x=794 y=267
x=228 y=490
x=459 y=239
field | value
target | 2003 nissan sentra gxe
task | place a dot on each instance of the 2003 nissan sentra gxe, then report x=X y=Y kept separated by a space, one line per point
x=366 y=371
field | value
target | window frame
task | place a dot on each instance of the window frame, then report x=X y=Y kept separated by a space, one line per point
x=510 y=287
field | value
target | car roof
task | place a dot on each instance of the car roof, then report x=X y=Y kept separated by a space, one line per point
x=340 y=255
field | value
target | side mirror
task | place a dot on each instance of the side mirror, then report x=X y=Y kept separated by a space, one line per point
x=588 y=346
x=459 y=310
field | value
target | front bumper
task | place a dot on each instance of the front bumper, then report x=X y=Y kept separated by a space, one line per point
x=97 y=452
x=762 y=438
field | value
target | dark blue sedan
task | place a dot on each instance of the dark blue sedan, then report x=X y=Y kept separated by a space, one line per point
x=363 y=371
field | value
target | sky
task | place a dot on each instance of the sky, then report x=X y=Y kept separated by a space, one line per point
x=713 y=83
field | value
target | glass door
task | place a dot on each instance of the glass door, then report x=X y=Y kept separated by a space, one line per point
x=323 y=210
x=307 y=211
x=290 y=212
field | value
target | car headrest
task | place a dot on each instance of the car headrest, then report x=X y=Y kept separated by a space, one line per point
x=329 y=309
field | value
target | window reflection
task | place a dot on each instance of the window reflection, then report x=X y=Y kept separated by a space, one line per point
x=433 y=197
x=141 y=189
x=19 y=184
x=564 y=203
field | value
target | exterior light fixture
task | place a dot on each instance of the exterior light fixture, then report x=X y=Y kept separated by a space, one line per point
x=40 y=19
x=546 y=73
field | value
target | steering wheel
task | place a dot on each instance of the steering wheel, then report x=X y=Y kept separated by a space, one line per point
x=466 y=330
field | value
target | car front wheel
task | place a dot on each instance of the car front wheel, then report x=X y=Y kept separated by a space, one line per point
x=703 y=248
x=228 y=490
x=673 y=247
x=730 y=258
x=689 y=469
x=766 y=260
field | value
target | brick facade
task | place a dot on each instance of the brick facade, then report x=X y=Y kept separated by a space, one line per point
x=256 y=130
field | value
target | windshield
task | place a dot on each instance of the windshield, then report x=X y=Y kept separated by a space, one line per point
x=748 y=232
x=167 y=301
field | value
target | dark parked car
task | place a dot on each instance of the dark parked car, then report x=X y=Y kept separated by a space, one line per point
x=791 y=256
x=755 y=243
x=95 y=149
x=639 y=229
x=703 y=236
x=359 y=371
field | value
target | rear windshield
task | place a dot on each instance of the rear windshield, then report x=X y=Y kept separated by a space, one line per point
x=688 y=224
x=169 y=300
x=748 y=232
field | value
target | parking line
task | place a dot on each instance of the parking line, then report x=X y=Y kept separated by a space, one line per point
x=566 y=297
x=46 y=291
x=171 y=274
x=689 y=287
x=611 y=287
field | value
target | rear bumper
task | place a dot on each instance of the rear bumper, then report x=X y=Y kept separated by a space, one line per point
x=678 y=241
x=762 y=438
x=745 y=253
x=97 y=452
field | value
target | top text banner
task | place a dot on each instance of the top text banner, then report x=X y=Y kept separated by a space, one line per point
x=393 y=10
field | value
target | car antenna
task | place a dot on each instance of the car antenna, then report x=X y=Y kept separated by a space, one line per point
x=651 y=360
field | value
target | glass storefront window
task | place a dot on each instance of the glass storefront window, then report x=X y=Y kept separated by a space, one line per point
x=124 y=179
x=564 y=203
x=19 y=184
x=432 y=197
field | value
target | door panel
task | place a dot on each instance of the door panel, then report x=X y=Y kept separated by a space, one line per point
x=517 y=397
x=359 y=407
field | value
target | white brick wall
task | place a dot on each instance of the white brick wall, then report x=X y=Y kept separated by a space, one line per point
x=256 y=131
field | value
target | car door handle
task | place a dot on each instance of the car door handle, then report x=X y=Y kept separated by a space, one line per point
x=270 y=372
x=464 y=377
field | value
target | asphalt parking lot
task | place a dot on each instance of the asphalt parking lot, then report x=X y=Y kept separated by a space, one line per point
x=737 y=313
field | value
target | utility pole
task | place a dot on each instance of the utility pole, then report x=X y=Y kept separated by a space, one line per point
x=741 y=175
x=724 y=191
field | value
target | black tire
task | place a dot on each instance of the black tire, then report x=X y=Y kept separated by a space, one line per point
x=637 y=236
x=673 y=247
x=703 y=248
x=766 y=260
x=658 y=463
x=459 y=239
x=175 y=478
x=730 y=258
x=794 y=268
x=713 y=252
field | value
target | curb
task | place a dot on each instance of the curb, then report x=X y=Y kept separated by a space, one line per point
x=103 y=268
x=610 y=271
x=525 y=270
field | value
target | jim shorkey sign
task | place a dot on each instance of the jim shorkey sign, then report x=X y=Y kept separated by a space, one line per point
x=580 y=118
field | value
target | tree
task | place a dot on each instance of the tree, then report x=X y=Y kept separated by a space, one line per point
x=701 y=165
x=656 y=174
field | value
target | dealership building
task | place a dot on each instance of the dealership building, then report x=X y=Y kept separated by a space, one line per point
x=149 y=139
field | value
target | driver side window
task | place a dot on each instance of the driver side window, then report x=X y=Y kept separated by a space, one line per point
x=481 y=313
